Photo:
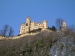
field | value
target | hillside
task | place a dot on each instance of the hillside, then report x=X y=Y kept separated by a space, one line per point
x=44 y=43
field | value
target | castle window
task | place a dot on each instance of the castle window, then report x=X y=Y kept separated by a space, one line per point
x=26 y=24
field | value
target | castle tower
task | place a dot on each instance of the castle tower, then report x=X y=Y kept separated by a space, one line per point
x=63 y=26
x=22 y=29
x=44 y=24
x=28 y=20
x=28 y=23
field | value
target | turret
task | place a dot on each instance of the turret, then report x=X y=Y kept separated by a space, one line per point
x=22 y=29
x=44 y=24
x=28 y=23
x=63 y=26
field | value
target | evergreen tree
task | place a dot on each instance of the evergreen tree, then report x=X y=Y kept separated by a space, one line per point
x=53 y=28
x=49 y=28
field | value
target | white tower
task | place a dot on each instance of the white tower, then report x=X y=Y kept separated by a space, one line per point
x=63 y=26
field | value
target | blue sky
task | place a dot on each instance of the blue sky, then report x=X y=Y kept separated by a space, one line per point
x=14 y=12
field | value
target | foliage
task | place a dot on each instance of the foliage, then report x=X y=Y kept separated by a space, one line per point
x=49 y=28
x=37 y=45
x=36 y=30
x=18 y=34
x=53 y=28
x=59 y=23
x=11 y=31
x=7 y=31
x=73 y=49
x=33 y=45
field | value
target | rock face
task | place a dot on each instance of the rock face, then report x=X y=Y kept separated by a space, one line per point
x=65 y=46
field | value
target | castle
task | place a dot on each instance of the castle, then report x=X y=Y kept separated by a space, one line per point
x=29 y=26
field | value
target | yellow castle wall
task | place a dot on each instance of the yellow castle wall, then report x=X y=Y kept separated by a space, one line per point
x=32 y=25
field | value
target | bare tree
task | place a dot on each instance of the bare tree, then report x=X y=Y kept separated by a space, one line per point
x=1 y=32
x=5 y=29
x=59 y=23
x=11 y=31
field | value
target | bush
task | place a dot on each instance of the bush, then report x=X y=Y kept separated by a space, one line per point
x=36 y=45
x=36 y=30
x=73 y=49
x=18 y=34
